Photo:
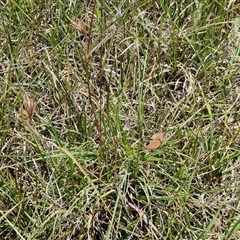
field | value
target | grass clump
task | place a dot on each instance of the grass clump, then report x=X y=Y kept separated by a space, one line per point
x=77 y=109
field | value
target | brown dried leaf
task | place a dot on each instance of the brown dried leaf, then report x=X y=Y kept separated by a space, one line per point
x=79 y=25
x=156 y=141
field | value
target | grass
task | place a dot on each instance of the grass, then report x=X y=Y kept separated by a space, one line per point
x=77 y=111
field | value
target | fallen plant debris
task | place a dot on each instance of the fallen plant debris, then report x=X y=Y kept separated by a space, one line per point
x=29 y=107
x=156 y=141
x=79 y=25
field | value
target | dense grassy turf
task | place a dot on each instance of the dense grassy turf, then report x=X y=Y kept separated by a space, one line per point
x=77 y=110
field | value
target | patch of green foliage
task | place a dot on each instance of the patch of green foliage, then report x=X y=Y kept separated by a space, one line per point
x=77 y=110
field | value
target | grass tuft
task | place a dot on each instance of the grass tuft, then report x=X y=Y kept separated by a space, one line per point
x=84 y=86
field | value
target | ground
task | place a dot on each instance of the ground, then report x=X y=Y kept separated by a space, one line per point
x=84 y=85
